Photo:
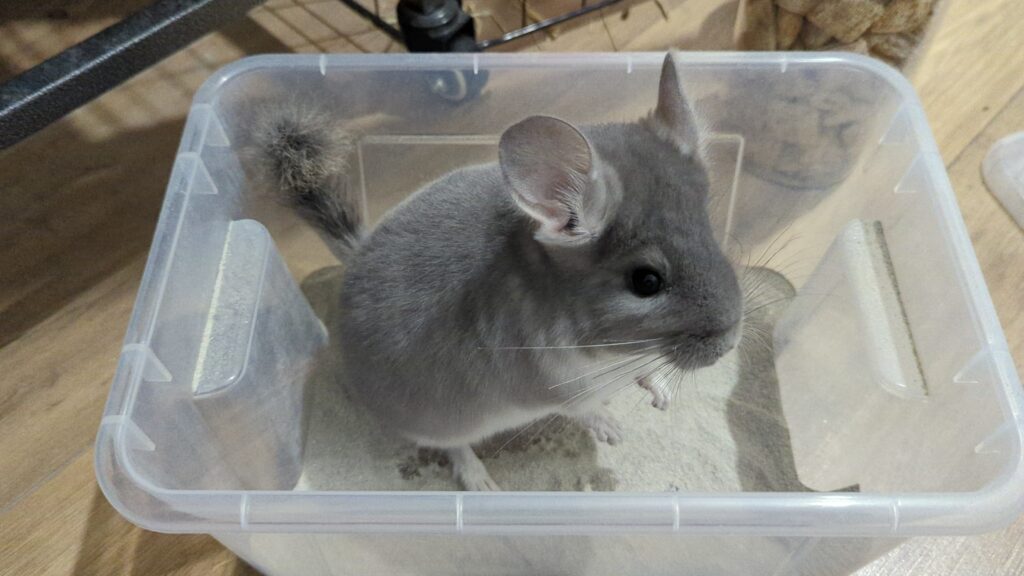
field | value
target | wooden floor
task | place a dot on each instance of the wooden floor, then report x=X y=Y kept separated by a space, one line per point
x=78 y=203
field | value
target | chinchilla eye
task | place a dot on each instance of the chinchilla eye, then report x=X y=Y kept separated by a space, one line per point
x=645 y=282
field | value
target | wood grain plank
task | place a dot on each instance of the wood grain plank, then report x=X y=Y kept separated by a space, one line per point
x=66 y=228
x=67 y=527
x=56 y=379
x=971 y=70
x=689 y=25
x=324 y=26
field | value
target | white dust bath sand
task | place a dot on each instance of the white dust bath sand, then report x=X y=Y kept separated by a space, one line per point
x=724 y=431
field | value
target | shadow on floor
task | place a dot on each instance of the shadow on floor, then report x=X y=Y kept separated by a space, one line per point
x=112 y=545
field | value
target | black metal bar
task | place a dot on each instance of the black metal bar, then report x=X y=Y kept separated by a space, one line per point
x=544 y=24
x=48 y=91
x=374 y=19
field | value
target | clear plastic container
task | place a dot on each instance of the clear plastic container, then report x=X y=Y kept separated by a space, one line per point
x=204 y=429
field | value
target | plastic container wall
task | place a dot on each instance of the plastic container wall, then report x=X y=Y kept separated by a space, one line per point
x=220 y=342
x=203 y=429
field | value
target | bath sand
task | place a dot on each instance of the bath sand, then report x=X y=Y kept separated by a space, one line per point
x=724 y=430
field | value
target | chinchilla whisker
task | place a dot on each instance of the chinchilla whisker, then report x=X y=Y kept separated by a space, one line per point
x=794 y=257
x=755 y=328
x=629 y=383
x=661 y=381
x=639 y=401
x=604 y=367
x=671 y=381
x=755 y=338
x=768 y=303
x=681 y=377
x=742 y=247
x=658 y=379
x=629 y=369
x=756 y=292
x=759 y=284
x=772 y=243
x=659 y=367
x=620 y=354
x=591 y=390
x=576 y=346
x=666 y=358
x=742 y=355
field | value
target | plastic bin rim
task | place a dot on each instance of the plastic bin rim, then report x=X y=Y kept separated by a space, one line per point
x=592 y=60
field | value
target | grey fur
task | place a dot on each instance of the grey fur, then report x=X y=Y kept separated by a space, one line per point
x=304 y=154
x=439 y=299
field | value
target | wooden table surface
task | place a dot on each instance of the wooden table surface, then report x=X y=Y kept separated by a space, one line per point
x=79 y=201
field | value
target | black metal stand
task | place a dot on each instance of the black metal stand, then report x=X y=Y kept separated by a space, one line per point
x=443 y=26
x=48 y=91
x=45 y=93
x=436 y=26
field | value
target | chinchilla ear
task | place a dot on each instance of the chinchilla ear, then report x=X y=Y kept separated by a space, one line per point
x=673 y=117
x=548 y=165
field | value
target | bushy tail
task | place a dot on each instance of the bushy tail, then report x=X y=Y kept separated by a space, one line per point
x=304 y=156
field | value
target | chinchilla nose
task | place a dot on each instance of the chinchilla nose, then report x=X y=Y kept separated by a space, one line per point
x=713 y=333
x=715 y=329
